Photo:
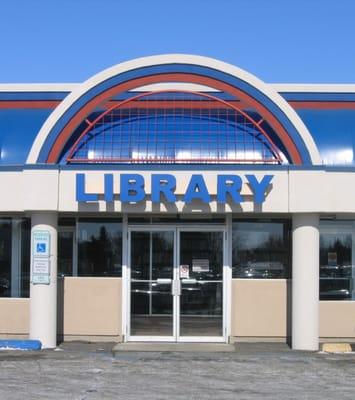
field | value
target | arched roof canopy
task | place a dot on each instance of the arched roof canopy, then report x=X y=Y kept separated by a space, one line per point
x=57 y=132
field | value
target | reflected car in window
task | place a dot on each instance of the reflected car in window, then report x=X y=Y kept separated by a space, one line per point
x=261 y=270
x=335 y=282
x=4 y=286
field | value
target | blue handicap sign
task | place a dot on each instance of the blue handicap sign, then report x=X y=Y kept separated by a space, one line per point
x=41 y=247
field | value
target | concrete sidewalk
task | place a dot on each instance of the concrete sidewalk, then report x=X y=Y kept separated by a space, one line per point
x=253 y=371
x=174 y=347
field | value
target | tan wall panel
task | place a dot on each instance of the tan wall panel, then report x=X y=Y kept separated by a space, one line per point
x=337 y=319
x=91 y=306
x=259 y=308
x=14 y=316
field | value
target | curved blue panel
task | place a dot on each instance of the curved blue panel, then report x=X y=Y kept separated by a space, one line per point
x=18 y=130
x=168 y=135
x=176 y=68
x=334 y=134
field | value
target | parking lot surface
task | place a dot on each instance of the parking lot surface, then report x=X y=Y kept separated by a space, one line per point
x=253 y=371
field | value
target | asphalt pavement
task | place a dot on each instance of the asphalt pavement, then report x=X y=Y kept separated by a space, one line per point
x=253 y=371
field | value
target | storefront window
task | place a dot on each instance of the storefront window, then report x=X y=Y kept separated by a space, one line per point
x=261 y=250
x=99 y=247
x=336 y=272
x=65 y=251
x=14 y=257
x=25 y=257
x=5 y=257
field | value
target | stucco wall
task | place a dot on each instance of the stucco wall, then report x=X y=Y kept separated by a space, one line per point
x=91 y=307
x=337 y=319
x=291 y=191
x=87 y=308
x=259 y=308
x=262 y=308
x=14 y=317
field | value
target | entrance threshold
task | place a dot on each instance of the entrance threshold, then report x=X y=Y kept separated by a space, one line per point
x=174 y=347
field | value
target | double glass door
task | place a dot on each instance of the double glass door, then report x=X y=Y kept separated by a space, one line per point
x=176 y=284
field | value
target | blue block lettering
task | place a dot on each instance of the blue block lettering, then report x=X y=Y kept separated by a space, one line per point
x=81 y=196
x=197 y=190
x=163 y=184
x=108 y=194
x=132 y=188
x=231 y=184
x=259 y=188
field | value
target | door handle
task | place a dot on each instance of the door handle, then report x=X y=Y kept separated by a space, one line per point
x=162 y=281
x=189 y=281
x=176 y=287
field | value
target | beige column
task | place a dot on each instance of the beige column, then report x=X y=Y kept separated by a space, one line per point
x=43 y=286
x=305 y=282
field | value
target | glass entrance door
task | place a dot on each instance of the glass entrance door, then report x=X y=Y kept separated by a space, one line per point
x=201 y=276
x=152 y=274
x=176 y=284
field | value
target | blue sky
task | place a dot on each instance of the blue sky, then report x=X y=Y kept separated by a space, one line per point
x=311 y=41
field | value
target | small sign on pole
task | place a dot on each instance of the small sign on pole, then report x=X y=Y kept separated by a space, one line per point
x=41 y=243
x=40 y=273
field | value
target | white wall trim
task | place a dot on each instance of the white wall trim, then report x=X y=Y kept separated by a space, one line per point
x=38 y=87
x=313 y=87
x=278 y=87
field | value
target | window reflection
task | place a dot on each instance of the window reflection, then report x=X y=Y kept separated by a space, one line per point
x=14 y=271
x=65 y=252
x=336 y=271
x=261 y=250
x=5 y=257
x=99 y=248
x=25 y=257
x=202 y=253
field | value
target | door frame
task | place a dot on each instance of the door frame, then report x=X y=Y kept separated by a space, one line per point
x=147 y=338
x=126 y=299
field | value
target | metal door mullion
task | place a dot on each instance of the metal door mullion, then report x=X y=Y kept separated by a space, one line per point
x=177 y=299
x=178 y=317
x=128 y=287
x=150 y=271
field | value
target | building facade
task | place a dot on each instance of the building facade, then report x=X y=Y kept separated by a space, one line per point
x=177 y=198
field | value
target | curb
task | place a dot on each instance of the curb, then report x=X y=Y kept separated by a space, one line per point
x=336 y=347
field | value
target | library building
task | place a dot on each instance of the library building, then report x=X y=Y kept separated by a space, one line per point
x=177 y=198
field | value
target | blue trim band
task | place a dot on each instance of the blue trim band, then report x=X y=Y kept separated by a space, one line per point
x=175 y=68
x=31 y=96
x=291 y=96
x=175 y=167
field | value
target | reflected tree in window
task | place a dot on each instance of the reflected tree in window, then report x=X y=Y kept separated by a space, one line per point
x=261 y=249
x=100 y=249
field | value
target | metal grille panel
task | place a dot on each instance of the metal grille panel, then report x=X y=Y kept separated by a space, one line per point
x=174 y=127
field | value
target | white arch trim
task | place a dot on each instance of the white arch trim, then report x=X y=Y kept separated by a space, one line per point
x=79 y=90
